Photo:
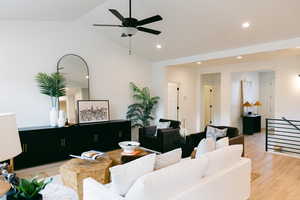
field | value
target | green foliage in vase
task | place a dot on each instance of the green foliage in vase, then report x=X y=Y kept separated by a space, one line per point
x=53 y=85
x=140 y=113
x=29 y=189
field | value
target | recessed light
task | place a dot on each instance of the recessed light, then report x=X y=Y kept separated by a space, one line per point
x=246 y=25
x=158 y=46
x=239 y=57
x=199 y=63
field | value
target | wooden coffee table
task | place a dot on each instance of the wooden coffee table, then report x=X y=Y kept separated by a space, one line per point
x=119 y=159
x=74 y=171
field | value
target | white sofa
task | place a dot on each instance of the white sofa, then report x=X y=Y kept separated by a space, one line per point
x=226 y=176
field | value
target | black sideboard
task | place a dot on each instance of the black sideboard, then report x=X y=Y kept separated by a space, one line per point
x=251 y=124
x=43 y=145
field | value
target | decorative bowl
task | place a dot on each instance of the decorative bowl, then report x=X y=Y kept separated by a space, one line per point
x=129 y=146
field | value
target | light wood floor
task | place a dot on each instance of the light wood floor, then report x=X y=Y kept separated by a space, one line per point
x=278 y=176
x=275 y=177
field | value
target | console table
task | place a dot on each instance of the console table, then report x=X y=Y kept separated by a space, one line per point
x=251 y=124
x=43 y=145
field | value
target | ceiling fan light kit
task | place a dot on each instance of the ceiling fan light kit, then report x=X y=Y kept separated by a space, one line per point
x=132 y=25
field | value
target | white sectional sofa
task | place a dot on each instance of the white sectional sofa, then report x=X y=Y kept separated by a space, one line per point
x=218 y=175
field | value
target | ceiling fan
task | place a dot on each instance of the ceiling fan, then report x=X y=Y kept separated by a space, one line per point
x=132 y=25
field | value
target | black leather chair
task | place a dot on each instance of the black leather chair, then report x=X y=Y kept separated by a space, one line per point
x=193 y=140
x=164 y=140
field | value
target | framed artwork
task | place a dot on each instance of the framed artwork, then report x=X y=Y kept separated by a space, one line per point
x=92 y=111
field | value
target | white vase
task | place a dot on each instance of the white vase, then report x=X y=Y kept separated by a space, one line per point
x=61 y=119
x=53 y=117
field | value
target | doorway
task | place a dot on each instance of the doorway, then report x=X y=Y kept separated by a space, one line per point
x=173 y=101
x=210 y=96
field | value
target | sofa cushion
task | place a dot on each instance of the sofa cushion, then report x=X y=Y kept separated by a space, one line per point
x=221 y=143
x=124 y=176
x=222 y=158
x=205 y=146
x=167 y=159
x=168 y=182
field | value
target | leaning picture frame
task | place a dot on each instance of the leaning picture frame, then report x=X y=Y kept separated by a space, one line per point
x=93 y=111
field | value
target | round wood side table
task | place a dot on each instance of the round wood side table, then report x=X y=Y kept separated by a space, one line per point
x=4 y=188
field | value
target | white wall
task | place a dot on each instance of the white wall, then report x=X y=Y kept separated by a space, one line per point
x=31 y=47
x=236 y=94
x=186 y=78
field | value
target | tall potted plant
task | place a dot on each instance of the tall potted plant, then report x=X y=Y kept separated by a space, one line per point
x=140 y=112
x=53 y=85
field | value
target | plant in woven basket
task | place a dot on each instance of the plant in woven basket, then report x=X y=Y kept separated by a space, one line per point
x=29 y=189
x=140 y=113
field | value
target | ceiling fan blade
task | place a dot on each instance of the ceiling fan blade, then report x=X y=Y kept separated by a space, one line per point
x=149 y=20
x=117 y=14
x=148 y=30
x=107 y=25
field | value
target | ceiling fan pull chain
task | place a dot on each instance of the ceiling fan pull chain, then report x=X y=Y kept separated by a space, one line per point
x=130 y=45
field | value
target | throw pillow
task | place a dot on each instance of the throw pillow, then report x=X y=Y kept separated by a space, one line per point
x=221 y=143
x=163 y=125
x=205 y=146
x=124 y=176
x=167 y=159
x=215 y=133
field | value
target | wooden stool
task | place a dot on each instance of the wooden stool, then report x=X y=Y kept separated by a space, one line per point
x=75 y=171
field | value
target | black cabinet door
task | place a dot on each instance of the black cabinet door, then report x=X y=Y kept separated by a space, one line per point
x=38 y=148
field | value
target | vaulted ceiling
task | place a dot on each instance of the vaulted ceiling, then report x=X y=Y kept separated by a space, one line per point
x=189 y=27
x=54 y=10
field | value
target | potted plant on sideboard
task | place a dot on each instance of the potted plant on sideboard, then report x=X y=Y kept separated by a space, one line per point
x=29 y=189
x=53 y=85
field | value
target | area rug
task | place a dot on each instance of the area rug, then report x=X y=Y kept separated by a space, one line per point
x=57 y=191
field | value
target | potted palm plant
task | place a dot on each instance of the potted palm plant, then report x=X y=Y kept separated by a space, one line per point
x=53 y=85
x=140 y=112
x=29 y=189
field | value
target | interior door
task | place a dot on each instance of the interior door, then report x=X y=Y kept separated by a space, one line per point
x=267 y=89
x=173 y=101
x=208 y=104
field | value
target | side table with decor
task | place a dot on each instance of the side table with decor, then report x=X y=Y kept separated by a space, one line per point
x=4 y=188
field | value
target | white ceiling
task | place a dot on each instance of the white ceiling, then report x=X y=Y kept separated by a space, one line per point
x=189 y=27
x=263 y=56
x=62 y=10
x=201 y=26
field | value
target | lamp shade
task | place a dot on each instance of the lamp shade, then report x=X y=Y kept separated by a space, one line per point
x=258 y=103
x=247 y=104
x=10 y=145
